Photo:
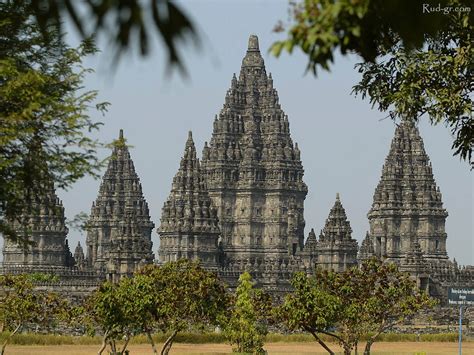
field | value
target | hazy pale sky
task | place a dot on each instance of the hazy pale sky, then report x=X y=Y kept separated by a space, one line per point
x=343 y=141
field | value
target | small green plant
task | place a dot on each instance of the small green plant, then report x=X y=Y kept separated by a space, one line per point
x=245 y=328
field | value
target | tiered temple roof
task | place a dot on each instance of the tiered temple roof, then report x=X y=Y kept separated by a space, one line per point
x=189 y=225
x=253 y=169
x=44 y=225
x=119 y=216
x=407 y=206
x=336 y=249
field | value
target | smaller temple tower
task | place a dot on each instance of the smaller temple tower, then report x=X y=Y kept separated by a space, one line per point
x=119 y=227
x=79 y=256
x=189 y=225
x=366 y=250
x=407 y=206
x=336 y=249
x=44 y=224
x=309 y=254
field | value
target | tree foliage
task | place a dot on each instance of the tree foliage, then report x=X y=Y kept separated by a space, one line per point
x=246 y=328
x=347 y=305
x=169 y=298
x=418 y=56
x=122 y=22
x=21 y=304
x=437 y=82
x=185 y=294
x=44 y=121
x=111 y=309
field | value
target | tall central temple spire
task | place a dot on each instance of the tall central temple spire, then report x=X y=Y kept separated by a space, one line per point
x=253 y=169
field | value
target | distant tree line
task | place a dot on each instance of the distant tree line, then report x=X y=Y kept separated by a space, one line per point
x=179 y=296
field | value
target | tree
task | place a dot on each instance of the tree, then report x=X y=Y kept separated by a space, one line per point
x=370 y=299
x=108 y=309
x=121 y=22
x=417 y=55
x=141 y=304
x=310 y=308
x=246 y=328
x=185 y=294
x=170 y=297
x=437 y=82
x=44 y=113
x=22 y=303
x=388 y=297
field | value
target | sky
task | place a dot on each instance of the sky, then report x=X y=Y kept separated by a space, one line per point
x=343 y=141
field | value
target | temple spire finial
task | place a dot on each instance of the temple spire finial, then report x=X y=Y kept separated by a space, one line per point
x=253 y=43
x=190 y=141
x=121 y=134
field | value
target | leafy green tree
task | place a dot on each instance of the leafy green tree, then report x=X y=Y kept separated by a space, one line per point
x=437 y=82
x=185 y=294
x=388 y=297
x=122 y=22
x=347 y=305
x=141 y=304
x=310 y=308
x=417 y=55
x=246 y=328
x=108 y=310
x=21 y=304
x=44 y=122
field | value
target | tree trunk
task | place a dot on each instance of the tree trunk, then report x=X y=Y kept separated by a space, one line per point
x=370 y=341
x=367 y=347
x=356 y=350
x=112 y=346
x=168 y=343
x=104 y=343
x=127 y=339
x=318 y=339
x=347 y=349
x=4 y=346
x=150 y=338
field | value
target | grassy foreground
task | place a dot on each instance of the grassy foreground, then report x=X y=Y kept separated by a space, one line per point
x=213 y=338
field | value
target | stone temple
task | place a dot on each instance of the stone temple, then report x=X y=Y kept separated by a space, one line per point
x=241 y=208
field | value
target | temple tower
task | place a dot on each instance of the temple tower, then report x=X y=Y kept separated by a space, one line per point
x=189 y=225
x=119 y=219
x=407 y=207
x=253 y=170
x=336 y=249
x=80 y=259
x=310 y=250
x=44 y=224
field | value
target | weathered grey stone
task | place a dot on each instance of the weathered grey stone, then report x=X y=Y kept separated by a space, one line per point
x=407 y=205
x=189 y=226
x=336 y=250
x=119 y=228
x=44 y=225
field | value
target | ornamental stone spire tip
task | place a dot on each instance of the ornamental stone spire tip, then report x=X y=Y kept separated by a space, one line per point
x=253 y=43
